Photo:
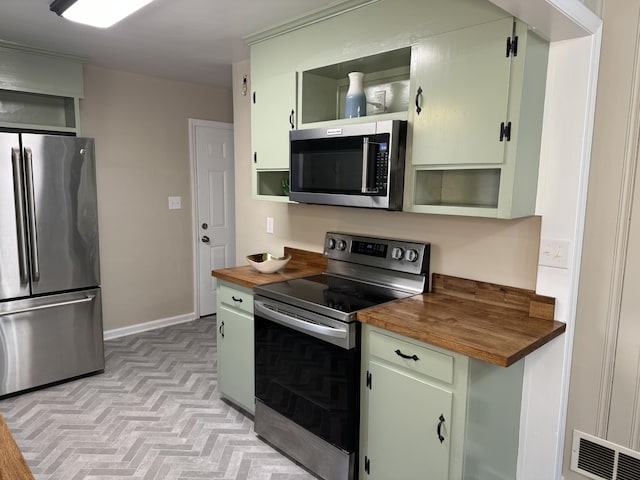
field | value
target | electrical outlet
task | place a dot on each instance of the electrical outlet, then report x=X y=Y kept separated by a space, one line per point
x=554 y=253
x=379 y=102
x=175 y=203
x=269 y=224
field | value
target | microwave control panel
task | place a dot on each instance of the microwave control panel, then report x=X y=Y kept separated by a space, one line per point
x=382 y=171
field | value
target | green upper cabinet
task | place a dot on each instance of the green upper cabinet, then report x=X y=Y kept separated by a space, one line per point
x=476 y=126
x=273 y=115
x=273 y=111
x=39 y=90
x=460 y=81
x=473 y=147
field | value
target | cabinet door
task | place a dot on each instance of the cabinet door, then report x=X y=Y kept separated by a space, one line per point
x=463 y=77
x=235 y=357
x=273 y=110
x=404 y=412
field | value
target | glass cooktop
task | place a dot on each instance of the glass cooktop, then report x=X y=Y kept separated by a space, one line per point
x=321 y=292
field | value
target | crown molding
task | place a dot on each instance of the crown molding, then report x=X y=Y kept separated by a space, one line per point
x=314 y=16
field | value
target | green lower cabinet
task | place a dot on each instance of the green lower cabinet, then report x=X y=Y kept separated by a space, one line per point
x=430 y=413
x=394 y=401
x=235 y=345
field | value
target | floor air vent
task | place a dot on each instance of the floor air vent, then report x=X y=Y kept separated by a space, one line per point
x=601 y=460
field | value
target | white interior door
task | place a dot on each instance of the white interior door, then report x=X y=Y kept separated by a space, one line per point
x=212 y=147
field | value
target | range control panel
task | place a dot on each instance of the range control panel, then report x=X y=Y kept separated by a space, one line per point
x=399 y=255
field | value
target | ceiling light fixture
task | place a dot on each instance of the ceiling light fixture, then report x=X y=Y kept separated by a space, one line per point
x=97 y=13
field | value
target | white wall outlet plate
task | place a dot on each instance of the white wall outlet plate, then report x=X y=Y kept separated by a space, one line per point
x=554 y=253
x=269 y=224
x=379 y=102
x=175 y=203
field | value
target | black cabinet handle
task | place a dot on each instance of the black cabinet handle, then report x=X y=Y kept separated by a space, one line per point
x=236 y=299
x=440 y=437
x=221 y=329
x=409 y=357
x=418 y=108
x=291 y=120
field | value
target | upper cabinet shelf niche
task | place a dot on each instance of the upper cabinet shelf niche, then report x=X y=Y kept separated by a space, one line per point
x=323 y=90
x=39 y=90
x=475 y=140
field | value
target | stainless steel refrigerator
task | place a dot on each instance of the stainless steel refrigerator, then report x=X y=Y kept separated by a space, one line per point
x=50 y=303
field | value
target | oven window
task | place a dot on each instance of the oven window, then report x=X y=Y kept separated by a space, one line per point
x=311 y=382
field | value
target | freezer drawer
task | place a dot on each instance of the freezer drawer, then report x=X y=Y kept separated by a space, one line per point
x=48 y=339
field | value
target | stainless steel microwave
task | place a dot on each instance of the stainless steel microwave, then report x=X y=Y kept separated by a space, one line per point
x=358 y=165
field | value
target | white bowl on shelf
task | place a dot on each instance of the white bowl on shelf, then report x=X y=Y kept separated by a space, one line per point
x=267 y=263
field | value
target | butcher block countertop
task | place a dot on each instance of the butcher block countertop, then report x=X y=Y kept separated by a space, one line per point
x=489 y=322
x=302 y=263
x=485 y=321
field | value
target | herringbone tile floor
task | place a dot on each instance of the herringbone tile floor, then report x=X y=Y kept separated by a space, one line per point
x=154 y=414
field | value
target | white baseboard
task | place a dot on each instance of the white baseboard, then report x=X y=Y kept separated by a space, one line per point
x=146 y=326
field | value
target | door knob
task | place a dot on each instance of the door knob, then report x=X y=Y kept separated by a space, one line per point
x=205 y=239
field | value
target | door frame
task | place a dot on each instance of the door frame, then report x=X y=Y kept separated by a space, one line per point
x=194 y=122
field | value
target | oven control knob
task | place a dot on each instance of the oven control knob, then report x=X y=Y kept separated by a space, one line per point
x=342 y=245
x=397 y=253
x=411 y=255
x=331 y=243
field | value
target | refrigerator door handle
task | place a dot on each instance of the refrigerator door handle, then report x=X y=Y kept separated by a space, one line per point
x=31 y=205
x=88 y=298
x=20 y=223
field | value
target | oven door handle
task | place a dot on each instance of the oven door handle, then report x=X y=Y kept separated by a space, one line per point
x=298 y=324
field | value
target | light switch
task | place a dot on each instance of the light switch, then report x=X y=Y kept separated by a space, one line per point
x=554 y=253
x=269 y=224
x=175 y=203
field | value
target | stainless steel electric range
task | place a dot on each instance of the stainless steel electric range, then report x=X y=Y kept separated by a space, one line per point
x=307 y=347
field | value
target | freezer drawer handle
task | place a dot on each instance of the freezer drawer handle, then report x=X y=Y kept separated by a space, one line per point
x=21 y=227
x=35 y=264
x=88 y=298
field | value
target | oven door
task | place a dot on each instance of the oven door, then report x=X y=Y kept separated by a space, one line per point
x=307 y=370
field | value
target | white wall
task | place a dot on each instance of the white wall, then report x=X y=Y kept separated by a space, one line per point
x=140 y=125
x=561 y=203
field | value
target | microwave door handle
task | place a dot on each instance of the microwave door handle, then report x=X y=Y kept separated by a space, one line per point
x=366 y=171
x=365 y=165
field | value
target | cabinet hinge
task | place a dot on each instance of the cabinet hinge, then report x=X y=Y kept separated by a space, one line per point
x=512 y=46
x=505 y=131
x=255 y=157
x=367 y=465
x=253 y=96
x=368 y=382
